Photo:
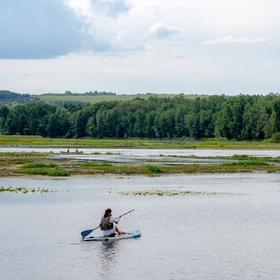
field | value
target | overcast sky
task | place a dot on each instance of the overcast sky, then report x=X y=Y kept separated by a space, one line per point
x=133 y=46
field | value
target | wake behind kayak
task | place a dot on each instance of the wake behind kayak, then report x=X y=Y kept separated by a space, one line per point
x=128 y=235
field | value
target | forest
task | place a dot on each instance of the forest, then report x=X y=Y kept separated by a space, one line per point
x=242 y=117
x=9 y=97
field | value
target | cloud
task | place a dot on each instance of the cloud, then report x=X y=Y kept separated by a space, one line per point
x=42 y=29
x=37 y=29
x=112 y=8
x=230 y=39
x=162 y=31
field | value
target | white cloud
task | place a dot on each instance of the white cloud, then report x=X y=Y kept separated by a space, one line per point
x=123 y=34
x=162 y=30
x=112 y=8
x=230 y=39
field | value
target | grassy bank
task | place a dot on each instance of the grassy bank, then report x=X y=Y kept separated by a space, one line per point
x=248 y=166
x=39 y=168
x=38 y=164
x=34 y=141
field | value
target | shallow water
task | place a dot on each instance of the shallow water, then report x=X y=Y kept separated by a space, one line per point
x=231 y=235
x=150 y=152
x=145 y=156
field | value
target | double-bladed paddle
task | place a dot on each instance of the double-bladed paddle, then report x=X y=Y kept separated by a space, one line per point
x=89 y=231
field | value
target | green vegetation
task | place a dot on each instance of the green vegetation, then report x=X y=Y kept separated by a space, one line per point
x=35 y=141
x=23 y=155
x=11 y=165
x=240 y=117
x=96 y=164
x=246 y=166
x=9 y=98
x=39 y=168
x=8 y=159
x=92 y=98
x=40 y=165
x=152 y=169
x=44 y=171
x=247 y=163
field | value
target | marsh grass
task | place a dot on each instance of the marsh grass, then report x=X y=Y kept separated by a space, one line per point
x=39 y=168
x=32 y=165
x=40 y=165
x=44 y=171
x=152 y=169
x=177 y=143
x=96 y=164
x=247 y=163
x=23 y=155
x=129 y=169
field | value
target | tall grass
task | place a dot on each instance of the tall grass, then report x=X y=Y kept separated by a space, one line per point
x=247 y=163
x=39 y=168
x=40 y=165
x=152 y=169
x=17 y=140
x=96 y=164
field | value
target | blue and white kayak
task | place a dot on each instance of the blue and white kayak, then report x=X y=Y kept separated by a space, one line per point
x=128 y=235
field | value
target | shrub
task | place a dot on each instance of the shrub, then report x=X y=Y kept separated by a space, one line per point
x=45 y=171
x=275 y=137
x=152 y=169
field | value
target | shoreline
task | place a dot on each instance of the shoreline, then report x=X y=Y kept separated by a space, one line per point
x=32 y=164
x=20 y=141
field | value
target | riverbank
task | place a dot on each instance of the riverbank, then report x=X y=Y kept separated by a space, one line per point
x=35 y=141
x=15 y=164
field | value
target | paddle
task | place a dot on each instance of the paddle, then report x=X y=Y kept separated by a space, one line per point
x=89 y=231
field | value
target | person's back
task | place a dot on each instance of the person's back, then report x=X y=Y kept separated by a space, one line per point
x=108 y=224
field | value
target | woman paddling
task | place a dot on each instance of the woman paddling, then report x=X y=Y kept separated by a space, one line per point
x=108 y=224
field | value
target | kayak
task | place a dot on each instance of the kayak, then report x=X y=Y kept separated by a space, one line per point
x=128 y=235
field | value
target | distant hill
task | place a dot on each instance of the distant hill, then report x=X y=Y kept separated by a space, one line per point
x=8 y=97
x=95 y=97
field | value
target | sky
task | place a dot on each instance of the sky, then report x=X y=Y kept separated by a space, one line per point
x=140 y=46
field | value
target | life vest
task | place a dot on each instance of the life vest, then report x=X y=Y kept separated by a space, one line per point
x=105 y=224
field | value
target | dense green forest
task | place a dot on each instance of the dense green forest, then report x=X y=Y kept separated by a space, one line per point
x=9 y=97
x=239 y=117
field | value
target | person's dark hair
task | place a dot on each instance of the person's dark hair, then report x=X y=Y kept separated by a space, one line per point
x=107 y=213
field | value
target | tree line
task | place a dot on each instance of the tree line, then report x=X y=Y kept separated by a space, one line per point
x=8 y=97
x=240 y=117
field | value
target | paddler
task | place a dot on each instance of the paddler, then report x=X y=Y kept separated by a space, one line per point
x=108 y=224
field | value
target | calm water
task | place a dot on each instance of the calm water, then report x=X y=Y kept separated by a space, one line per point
x=232 y=235
x=151 y=152
x=146 y=156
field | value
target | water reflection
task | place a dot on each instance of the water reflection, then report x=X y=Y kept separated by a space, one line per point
x=108 y=255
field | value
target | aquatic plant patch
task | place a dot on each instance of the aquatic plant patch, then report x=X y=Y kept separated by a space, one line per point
x=170 y=193
x=24 y=190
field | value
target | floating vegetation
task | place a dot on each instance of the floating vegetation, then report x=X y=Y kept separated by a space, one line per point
x=24 y=190
x=170 y=193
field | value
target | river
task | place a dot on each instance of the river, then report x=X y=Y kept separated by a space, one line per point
x=228 y=231
x=144 y=156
